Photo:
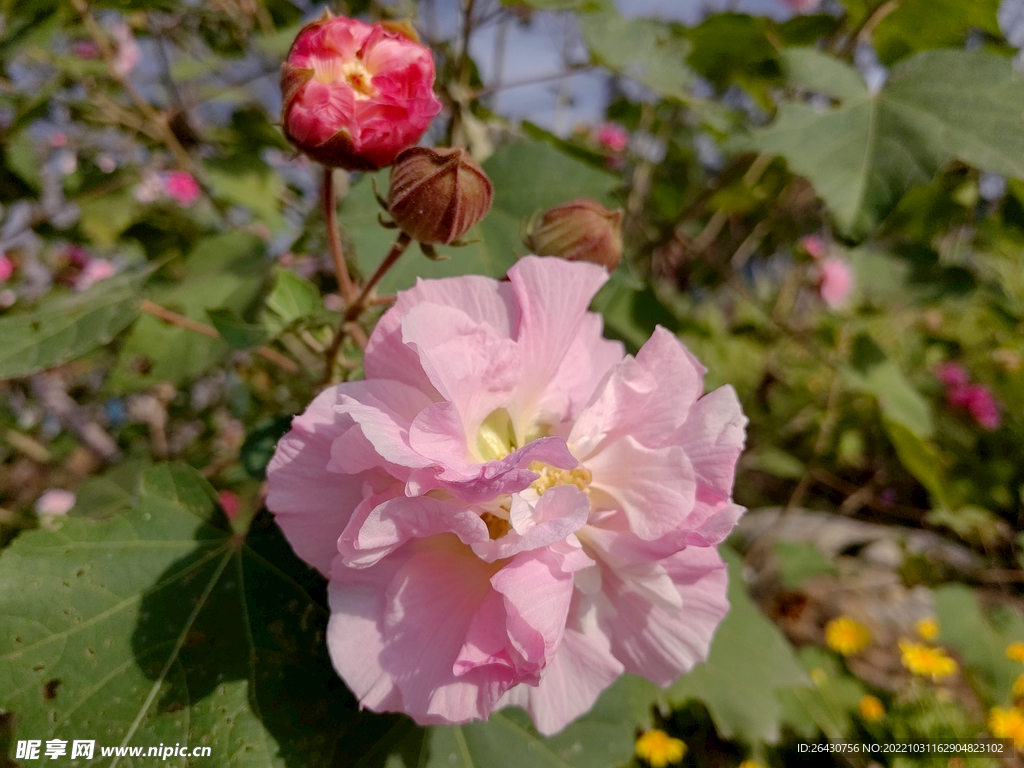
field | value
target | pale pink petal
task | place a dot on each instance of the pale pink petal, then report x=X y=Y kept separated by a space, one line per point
x=430 y=606
x=311 y=504
x=390 y=523
x=654 y=487
x=482 y=299
x=656 y=639
x=580 y=669
x=553 y=295
x=355 y=632
x=589 y=359
x=713 y=437
x=558 y=514
x=472 y=365
x=384 y=411
x=648 y=398
x=537 y=593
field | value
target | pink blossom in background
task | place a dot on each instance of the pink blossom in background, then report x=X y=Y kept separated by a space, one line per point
x=976 y=399
x=55 y=502
x=814 y=246
x=230 y=503
x=802 y=6
x=356 y=95
x=6 y=268
x=93 y=272
x=181 y=187
x=128 y=55
x=86 y=50
x=836 y=281
x=612 y=136
x=509 y=509
x=952 y=375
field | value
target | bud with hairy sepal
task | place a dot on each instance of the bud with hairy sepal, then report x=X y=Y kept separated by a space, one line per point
x=580 y=230
x=356 y=95
x=437 y=194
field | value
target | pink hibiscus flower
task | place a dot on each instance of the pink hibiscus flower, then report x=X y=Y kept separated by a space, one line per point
x=836 y=281
x=509 y=509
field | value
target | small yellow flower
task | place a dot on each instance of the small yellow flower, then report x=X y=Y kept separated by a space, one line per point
x=659 y=749
x=1018 y=686
x=927 y=661
x=871 y=709
x=750 y=764
x=1015 y=651
x=927 y=628
x=847 y=636
x=1007 y=724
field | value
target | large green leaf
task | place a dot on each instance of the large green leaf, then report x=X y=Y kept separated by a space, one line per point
x=161 y=626
x=865 y=153
x=981 y=637
x=222 y=272
x=872 y=373
x=527 y=176
x=919 y=24
x=64 y=328
x=750 y=662
x=649 y=51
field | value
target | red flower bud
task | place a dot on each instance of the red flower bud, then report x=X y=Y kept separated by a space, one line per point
x=356 y=95
x=580 y=230
x=437 y=194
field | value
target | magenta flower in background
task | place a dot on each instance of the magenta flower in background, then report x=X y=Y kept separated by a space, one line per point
x=613 y=137
x=976 y=399
x=6 y=268
x=356 y=95
x=94 y=271
x=181 y=187
x=509 y=509
x=835 y=281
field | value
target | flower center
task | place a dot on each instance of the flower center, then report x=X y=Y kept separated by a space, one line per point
x=353 y=72
x=496 y=438
x=552 y=476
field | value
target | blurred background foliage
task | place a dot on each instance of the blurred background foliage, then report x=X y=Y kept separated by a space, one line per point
x=825 y=201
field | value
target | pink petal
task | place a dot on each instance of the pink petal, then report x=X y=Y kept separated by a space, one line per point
x=553 y=296
x=580 y=669
x=482 y=299
x=311 y=504
x=558 y=514
x=654 y=487
x=384 y=411
x=648 y=398
x=713 y=438
x=390 y=523
x=430 y=606
x=652 y=637
x=471 y=365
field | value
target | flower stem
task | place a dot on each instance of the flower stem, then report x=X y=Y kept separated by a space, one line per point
x=355 y=308
x=348 y=290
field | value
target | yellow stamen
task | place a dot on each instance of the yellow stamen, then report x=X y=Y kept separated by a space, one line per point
x=552 y=476
x=496 y=526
